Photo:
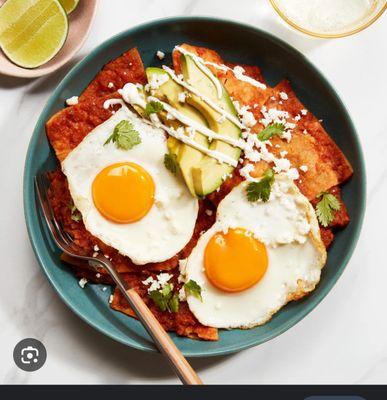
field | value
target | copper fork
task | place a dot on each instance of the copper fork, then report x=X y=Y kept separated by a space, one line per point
x=160 y=337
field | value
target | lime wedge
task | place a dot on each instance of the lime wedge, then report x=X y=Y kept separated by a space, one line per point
x=69 y=5
x=32 y=31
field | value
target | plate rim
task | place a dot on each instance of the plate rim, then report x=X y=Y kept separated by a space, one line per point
x=29 y=193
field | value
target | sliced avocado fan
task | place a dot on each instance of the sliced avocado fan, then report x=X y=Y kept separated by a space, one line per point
x=202 y=174
x=187 y=157
x=209 y=174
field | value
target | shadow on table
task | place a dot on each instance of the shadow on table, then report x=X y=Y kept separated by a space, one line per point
x=42 y=314
x=122 y=364
x=38 y=84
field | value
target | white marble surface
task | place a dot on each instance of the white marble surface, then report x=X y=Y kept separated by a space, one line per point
x=342 y=341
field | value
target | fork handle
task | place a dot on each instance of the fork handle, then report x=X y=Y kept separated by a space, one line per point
x=162 y=340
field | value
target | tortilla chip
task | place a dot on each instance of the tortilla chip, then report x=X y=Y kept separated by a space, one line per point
x=243 y=92
x=311 y=146
x=182 y=322
x=115 y=74
x=67 y=128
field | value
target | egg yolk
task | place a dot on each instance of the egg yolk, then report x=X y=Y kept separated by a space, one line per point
x=123 y=192
x=235 y=261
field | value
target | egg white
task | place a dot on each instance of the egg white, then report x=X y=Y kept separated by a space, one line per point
x=169 y=224
x=288 y=227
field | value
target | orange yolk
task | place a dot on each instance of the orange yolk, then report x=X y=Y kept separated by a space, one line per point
x=123 y=192
x=235 y=261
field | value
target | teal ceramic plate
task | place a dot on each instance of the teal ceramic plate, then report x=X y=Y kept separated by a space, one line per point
x=236 y=43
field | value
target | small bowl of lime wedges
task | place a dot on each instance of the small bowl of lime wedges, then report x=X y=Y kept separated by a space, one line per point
x=39 y=36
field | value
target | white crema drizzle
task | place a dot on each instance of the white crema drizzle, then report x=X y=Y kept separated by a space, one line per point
x=210 y=134
x=238 y=71
x=127 y=93
x=131 y=95
x=208 y=101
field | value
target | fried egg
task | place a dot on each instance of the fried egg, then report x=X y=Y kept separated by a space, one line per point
x=256 y=257
x=127 y=198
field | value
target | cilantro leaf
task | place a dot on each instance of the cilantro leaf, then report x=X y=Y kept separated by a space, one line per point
x=170 y=162
x=166 y=290
x=192 y=288
x=261 y=190
x=153 y=107
x=174 y=303
x=124 y=136
x=75 y=214
x=276 y=129
x=165 y=299
x=325 y=208
x=159 y=299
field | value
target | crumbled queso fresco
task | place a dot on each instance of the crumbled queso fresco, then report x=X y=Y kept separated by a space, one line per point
x=160 y=55
x=82 y=282
x=158 y=283
x=254 y=149
x=72 y=101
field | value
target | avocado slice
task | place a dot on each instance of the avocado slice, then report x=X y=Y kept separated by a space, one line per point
x=187 y=157
x=209 y=174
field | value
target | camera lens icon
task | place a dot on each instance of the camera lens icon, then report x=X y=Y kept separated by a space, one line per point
x=29 y=354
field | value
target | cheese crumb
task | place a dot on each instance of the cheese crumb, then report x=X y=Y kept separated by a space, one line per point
x=72 y=101
x=182 y=265
x=110 y=85
x=293 y=174
x=283 y=153
x=283 y=96
x=160 y=55
x=97 y=275
x=156 y=81
x=246 y=170
x=96 y=248
x=304 y=112
x=304 y=168
x=182 y=294
x=182 y=97
x=281 y=164
x=247 y=116
x=209 y=212
x=158 y=283
x=82 y=282
x=111 y=297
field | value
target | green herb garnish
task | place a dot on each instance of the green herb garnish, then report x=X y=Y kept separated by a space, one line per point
x=276 y=129
x=153 y=107
x=170 y=162
x=192 y=288
x=174 y=303
x=165 y=299
x=261 y=190
x=325 y=208
x=124 y=136
x=75 y=214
